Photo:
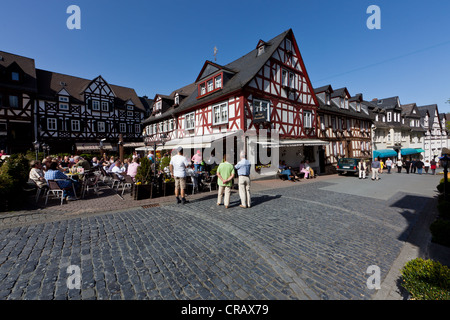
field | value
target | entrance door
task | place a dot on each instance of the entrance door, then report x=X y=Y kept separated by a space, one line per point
x=322 y=159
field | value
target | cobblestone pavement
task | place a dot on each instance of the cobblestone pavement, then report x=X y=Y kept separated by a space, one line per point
x=301 y=241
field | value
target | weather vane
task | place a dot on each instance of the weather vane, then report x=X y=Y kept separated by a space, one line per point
x=215 y=53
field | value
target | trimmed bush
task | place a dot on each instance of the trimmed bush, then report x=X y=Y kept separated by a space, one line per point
x=440 y=231
x=444 y=209
x=426 y=280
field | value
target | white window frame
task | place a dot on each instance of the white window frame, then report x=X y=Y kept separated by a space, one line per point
x=307 y=119
x=223 y=109
x=202 y=88
x=64 y=106
x=95 y=105
x=63 y=99
x=130 y=108
x=122 y=127
x=218 y=82
x=389 y=116
x=130 y=114
x=75 y=125
x=103 y=104
x=210 y=85
x=285 y=77
x=137 y=128
x=177 y=99
x=101 y=126
x=52 y=124
x=189 y=121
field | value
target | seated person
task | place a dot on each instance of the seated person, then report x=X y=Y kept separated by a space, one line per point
x=282 y=165
x=80 y=162
x=65 y=163
x=289 y=173
x=309 y=169
x=132 y=167
x=118 y=169
x=95 y=162
x=53 y=174
x=37 y=175
x=304 y=169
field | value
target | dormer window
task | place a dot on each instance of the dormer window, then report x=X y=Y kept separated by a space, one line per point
x=327 y=98
x=261 y=50
x=15 y=76
x=177 y=99
x=210 y=85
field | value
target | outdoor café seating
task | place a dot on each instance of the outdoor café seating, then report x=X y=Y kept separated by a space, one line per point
x=56 y=190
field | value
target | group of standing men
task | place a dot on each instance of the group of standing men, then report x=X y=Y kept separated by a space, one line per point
x=225 y=174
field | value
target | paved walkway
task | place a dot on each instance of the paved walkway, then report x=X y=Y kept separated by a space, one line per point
x=313 y=239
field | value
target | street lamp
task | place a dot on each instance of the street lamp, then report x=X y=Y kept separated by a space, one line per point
x=44 y=148
x=36 y=148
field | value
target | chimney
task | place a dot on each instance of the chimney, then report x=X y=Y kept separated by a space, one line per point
x=374 y=99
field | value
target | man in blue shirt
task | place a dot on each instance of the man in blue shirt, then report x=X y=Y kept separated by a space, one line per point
x=63 y=181
x=243 y=171
x=376 y=166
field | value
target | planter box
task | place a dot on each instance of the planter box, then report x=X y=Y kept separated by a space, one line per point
x=168 y=188
x=142 y=191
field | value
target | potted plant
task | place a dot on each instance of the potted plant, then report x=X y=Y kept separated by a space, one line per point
x=144 y=185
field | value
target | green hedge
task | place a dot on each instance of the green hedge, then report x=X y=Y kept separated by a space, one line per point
x=440 y=231
x=426 y=280
x=13 y=176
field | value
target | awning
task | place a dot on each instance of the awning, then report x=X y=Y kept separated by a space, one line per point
x=291 y=143
x=133 y=144
x=410 y=151
x=420 y=150
x=92 y=146
x=195 y=142
x=384 y=153
x=144 y=148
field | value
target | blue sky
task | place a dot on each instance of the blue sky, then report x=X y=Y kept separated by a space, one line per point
x=158 y=46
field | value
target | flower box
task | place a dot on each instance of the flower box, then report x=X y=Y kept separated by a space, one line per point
x=142 y=191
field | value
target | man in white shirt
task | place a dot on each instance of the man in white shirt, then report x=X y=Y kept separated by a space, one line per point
x=118 y=169
x=177 y=166
x=389 y=165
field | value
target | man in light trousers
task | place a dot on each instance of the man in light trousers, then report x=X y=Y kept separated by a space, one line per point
x=376 y=166
x=243 y=171
x=225 y=175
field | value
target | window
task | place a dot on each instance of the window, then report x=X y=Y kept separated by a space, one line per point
x=177 y=99
x=105 y=106
x=158 y=105
x=190 y=121
x=220 y=113
x=202 y=89
x=307 y=119
x=389 y=116
x=358 y=107
x=165 y=126
x=101 y=127
x=63 y=99
x=349 y=125
x=218 y=81
x=288 y=45
x=123 y=127
x=210 y=85
x=63 y=106
x=137 y=128
x=327 y=98
x=14 y=101
x=52 y=124
x=284 y=78
x=292 y=80
x=15 y=76
x=170 y=124
x=262 y=106
x=376 y=117
x=130 y=114
x=322 y=122
x=130 y=108
x=95 y=105
x=75 y=125
x=333 y=123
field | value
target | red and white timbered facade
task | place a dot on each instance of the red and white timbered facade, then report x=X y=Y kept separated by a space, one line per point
x=268 y=88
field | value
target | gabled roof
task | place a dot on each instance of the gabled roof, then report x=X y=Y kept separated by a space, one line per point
x=9 y=60
x=210 y=68
x=430 y=110
x=341 y=92
x=50 y=83
x=407 y=110
x=326 y=88
x=244 y=70
x=388 y=103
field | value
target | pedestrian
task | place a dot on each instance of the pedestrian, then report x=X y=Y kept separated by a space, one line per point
x=197 y=160
x=407 y=165
x=388 y=165
x=243 y=171
x=433 y=166
x=178 y=164
x=426 y=166
x=399 y=165
x=381 y=166
x=362 y=167
x=413 y=166
x=225 y=173
x=376 y=166
x=419 y=165
x=151 y=157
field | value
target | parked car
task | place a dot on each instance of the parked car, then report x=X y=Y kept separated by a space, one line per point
x=347 y=165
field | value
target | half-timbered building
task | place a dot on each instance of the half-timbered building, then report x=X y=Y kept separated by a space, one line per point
x=436 y=134
x=268 y=88
x=75 y=114
x=344 y=122
x=17 y=102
